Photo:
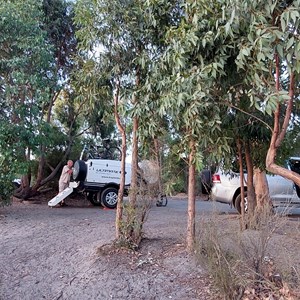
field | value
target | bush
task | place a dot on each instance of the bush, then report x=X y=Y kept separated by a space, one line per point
x=6 y=182
x=134 y=217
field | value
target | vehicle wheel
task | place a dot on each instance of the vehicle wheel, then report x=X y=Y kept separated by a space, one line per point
x=79 y=171
x=206 y=181
x=94 y=198
x=237 y=203
x=16 y=183
x=162 y=200
x=109 y=197
x=297 y=190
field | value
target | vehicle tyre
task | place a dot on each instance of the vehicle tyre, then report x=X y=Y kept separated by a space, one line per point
x=109 y=197
x=16 y=183
x=162 y=200
x=297 y=190
x=94 y=198
x=206 y=181
x=79 y=170
x=237 y=203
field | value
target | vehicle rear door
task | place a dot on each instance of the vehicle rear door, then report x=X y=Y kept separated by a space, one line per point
x=281 y=190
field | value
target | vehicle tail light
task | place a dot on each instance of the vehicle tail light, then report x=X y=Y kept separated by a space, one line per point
x=216 y=178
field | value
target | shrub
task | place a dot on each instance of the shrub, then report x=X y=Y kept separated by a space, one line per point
x=134 y=217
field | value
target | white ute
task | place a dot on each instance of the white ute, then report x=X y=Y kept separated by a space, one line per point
x=99 y=179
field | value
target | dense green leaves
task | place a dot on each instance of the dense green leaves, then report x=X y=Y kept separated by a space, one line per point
x=203 y=50
x=35 y=47
x=25 y=74
x=201 y=70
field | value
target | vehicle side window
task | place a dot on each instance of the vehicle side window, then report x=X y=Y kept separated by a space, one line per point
x=295 y=166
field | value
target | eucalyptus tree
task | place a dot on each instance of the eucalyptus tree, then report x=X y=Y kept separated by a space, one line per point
x=274 y=57
x=155 y=130
x=111 y=28
x=37 y=43
x=189 y=76
x=265 y=31
x=108 y=40
x=120 y=42
x=25 y=79
x=269 y=58
x=216 y=52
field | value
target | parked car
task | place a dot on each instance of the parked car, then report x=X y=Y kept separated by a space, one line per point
x=283 y=192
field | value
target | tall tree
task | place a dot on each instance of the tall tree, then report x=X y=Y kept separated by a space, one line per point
x=268 y=56
x=121 y=45
x=26 y=68
x=58 y=24
x=207 y=64
x=35 y=66
x=187 y=75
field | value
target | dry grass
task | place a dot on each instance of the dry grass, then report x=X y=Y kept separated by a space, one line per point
x=250 y=264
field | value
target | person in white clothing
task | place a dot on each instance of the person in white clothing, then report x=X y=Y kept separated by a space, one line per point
x=65 y=178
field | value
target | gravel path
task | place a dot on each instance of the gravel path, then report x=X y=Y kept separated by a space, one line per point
x=53 y=253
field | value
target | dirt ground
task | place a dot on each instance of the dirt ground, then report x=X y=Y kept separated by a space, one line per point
x=55 y=253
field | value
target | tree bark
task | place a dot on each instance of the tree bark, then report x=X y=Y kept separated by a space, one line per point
x=119 y=213
x=42 y=160
x=279 y=134
x=250 y=183
x=264 y=205
x=134 y=159
x=241 y=170
x=191 y=198
x=158 y=161
x=134 y=164
x=261 y=190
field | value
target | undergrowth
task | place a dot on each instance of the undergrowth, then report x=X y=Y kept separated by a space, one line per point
x=240 y=263
x=134 y=218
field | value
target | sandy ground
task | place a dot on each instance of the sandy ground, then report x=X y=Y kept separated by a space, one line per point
x=53 y=253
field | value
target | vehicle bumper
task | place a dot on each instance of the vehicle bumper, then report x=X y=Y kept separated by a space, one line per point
x=221 y=194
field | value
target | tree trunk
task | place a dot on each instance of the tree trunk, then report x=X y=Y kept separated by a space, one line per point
x=42 y=160
x=242 y=179
x=279 y=134
x=134 y=164
x=134 y=160
x=119 y=213
x=158 y=161
x=25 y=192
x=191 y=199
x=41 y=167
x=261 y=190
x=250 y=184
